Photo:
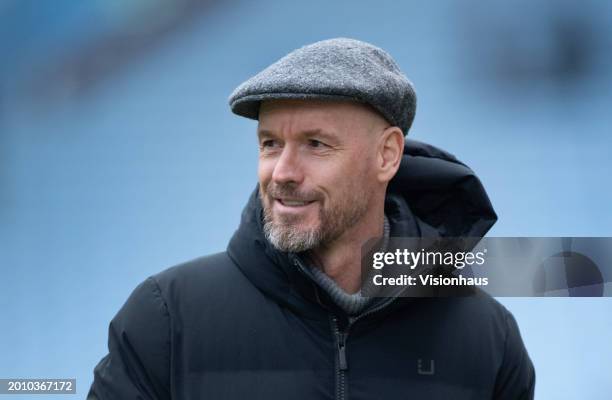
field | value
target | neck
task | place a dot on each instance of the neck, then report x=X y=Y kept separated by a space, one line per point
x=341 y=259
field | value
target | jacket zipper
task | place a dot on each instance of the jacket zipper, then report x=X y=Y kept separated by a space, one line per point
x=341 y=365
x=340 y=338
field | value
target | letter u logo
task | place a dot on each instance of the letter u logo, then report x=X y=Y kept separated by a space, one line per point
x=426 y=368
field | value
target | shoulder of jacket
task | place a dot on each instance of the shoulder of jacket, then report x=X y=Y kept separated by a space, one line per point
x=483 y=311
x=199 y=278
x=201 y=269
x=489 y=312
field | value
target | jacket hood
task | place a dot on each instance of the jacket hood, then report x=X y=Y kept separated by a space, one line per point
x=432 y=195
x=444 y=195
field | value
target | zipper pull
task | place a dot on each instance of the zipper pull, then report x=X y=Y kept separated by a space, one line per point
x=342 y=351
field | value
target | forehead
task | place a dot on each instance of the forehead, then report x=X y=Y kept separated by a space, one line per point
x=312 y=114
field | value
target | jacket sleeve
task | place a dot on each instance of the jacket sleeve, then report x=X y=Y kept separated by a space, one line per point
x=138 y=361
x=516 y=377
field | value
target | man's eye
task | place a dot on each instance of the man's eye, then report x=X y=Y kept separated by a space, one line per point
x=316 y=143
x=268 y=143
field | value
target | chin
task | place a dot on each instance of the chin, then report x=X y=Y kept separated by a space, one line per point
x=300 y=225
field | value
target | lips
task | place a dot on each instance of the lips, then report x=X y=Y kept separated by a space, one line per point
x=294 y=202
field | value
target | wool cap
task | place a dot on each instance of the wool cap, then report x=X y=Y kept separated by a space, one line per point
x=334 y=69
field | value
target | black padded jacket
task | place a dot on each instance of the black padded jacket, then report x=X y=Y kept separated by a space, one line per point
x=247 y=323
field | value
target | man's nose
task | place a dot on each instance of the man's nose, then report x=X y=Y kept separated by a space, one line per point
x=288 y=167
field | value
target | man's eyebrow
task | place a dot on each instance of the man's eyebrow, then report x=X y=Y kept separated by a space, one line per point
x=321 y=134
x=263 y=134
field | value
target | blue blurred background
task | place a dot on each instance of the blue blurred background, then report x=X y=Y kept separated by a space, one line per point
x=119 y=156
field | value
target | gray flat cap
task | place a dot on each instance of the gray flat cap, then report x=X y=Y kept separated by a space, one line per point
x=341 y=68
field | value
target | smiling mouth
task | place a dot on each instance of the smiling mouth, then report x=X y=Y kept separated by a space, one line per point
x=293 y=203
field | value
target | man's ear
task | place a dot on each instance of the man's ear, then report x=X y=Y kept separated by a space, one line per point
x=390 y=151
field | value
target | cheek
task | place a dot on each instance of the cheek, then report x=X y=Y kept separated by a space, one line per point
x=264 y=172
x=339 y=180
x=365 y=167
x=356 y=177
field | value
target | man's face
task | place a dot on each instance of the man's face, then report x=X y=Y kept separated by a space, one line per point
x=315 y=175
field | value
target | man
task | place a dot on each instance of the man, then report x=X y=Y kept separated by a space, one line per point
x=279 y=315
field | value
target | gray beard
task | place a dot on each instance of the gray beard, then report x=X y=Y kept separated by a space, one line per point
x=285 y=236
x=289 y=239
